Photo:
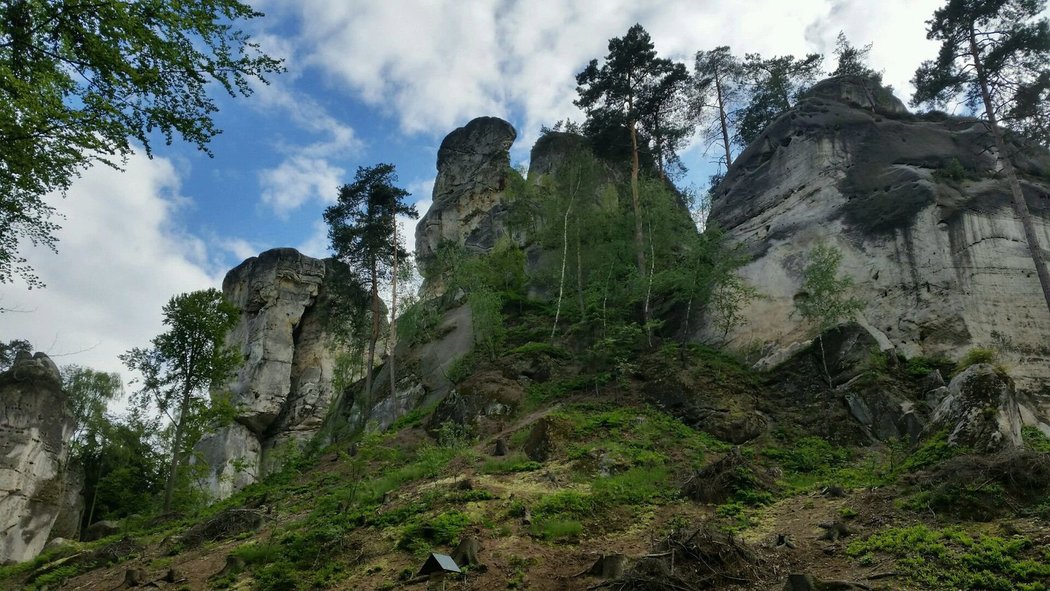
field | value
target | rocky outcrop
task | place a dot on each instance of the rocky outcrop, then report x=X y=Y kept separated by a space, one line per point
x=284 y=387
x=981 y=411
x=924 y=222
x=35 y=427
x=473 y=165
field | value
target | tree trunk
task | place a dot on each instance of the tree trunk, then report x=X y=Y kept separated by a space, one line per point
x=639 y=238
x=722 y=119
x=393 y=319
x=1020 y=205
x=564 y=257
x=176 y=451
x=579 y=273
x=374 y=336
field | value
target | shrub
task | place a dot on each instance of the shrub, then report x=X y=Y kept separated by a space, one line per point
x=556 y=529
x=975 y=356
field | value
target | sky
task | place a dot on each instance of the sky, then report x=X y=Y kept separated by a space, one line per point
x=373 y=81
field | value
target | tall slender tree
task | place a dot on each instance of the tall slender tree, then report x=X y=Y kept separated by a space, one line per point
x=990 y=50
x=716 y=90
x=620 y=92
x=181 y=366
x=362 y=235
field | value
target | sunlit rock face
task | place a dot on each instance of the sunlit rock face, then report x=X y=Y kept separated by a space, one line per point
x=473 y=165
x=35 y=428
x=924 y=222
x=285 y=385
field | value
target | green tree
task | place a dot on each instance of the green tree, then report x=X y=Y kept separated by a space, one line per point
x=620 y=93
x=774 y=85
x=824 y=299
x=717 y=89
x=89 y=393
x=991 y=52
x=853 y=61
x=361 y=232
x=81 y=81
x=181 y=366
x=10 y=350
x=123 y=471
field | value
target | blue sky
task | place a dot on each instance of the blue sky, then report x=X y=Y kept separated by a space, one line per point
x=371 y=82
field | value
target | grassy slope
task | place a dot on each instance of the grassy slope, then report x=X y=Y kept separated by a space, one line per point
x=365 y=515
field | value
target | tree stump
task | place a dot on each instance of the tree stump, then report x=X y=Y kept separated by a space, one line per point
x=133 y=577
x=466 y=553
x=608 y=566
x=501 y=447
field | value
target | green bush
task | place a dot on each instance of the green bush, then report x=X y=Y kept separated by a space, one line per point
x=442 y=530
x=975 y=356
x=809 y=455
x=951 y=558
x=517 y=462
x=1035 y=440
x=556 y=529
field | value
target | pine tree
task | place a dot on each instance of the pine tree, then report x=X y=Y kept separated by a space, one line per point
x=852 y=61
x=991 y=52
x=620 y=93
x=715 y=92
x=774 y=85
x=362 y=234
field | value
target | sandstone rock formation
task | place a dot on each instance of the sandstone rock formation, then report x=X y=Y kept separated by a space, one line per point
x=285 y=385
x=35 y=427
x=924 y=222
x=473 y=163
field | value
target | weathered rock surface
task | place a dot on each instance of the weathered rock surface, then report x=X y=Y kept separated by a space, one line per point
x=925 y=225
x=422 y=371
x=981 y=411
x=473 y=164
x=35 y=427
x=67 y=524
x=285 y=384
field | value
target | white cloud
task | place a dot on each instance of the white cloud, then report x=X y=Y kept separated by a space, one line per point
x=238 y=247
x=121 y=258
x=437 y=64
x=299 y=179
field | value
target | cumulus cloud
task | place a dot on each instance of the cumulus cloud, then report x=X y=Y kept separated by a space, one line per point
x=298 y=179
x=121 y=258
x=437 y=64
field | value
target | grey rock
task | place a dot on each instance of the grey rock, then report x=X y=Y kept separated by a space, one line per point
x=35 y=427
x=472 y=167
x=285 y=385
x=101 y=529
x=981 y=411
x=931 y=256
x=67 y=524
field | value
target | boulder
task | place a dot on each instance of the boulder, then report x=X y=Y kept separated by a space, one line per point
x=101 y=529
x=981 y=411
x=35 y=428
x=931 y=249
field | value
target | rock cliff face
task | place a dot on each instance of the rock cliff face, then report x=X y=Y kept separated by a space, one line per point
x=35 y=427
x=285 y=384
x=473 y=163
x=924 y=222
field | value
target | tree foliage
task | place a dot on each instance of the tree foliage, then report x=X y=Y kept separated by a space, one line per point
x=995 y=54
x=89 y=393
x=81 y=81
x=180 y=368
x=631 y=86
x=10 y=350
x=715 y=95
x=825 y=299
x=853 y=61
x=361 y=232
x=774 y=84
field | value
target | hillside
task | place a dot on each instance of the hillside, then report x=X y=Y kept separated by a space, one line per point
x=682 y=468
